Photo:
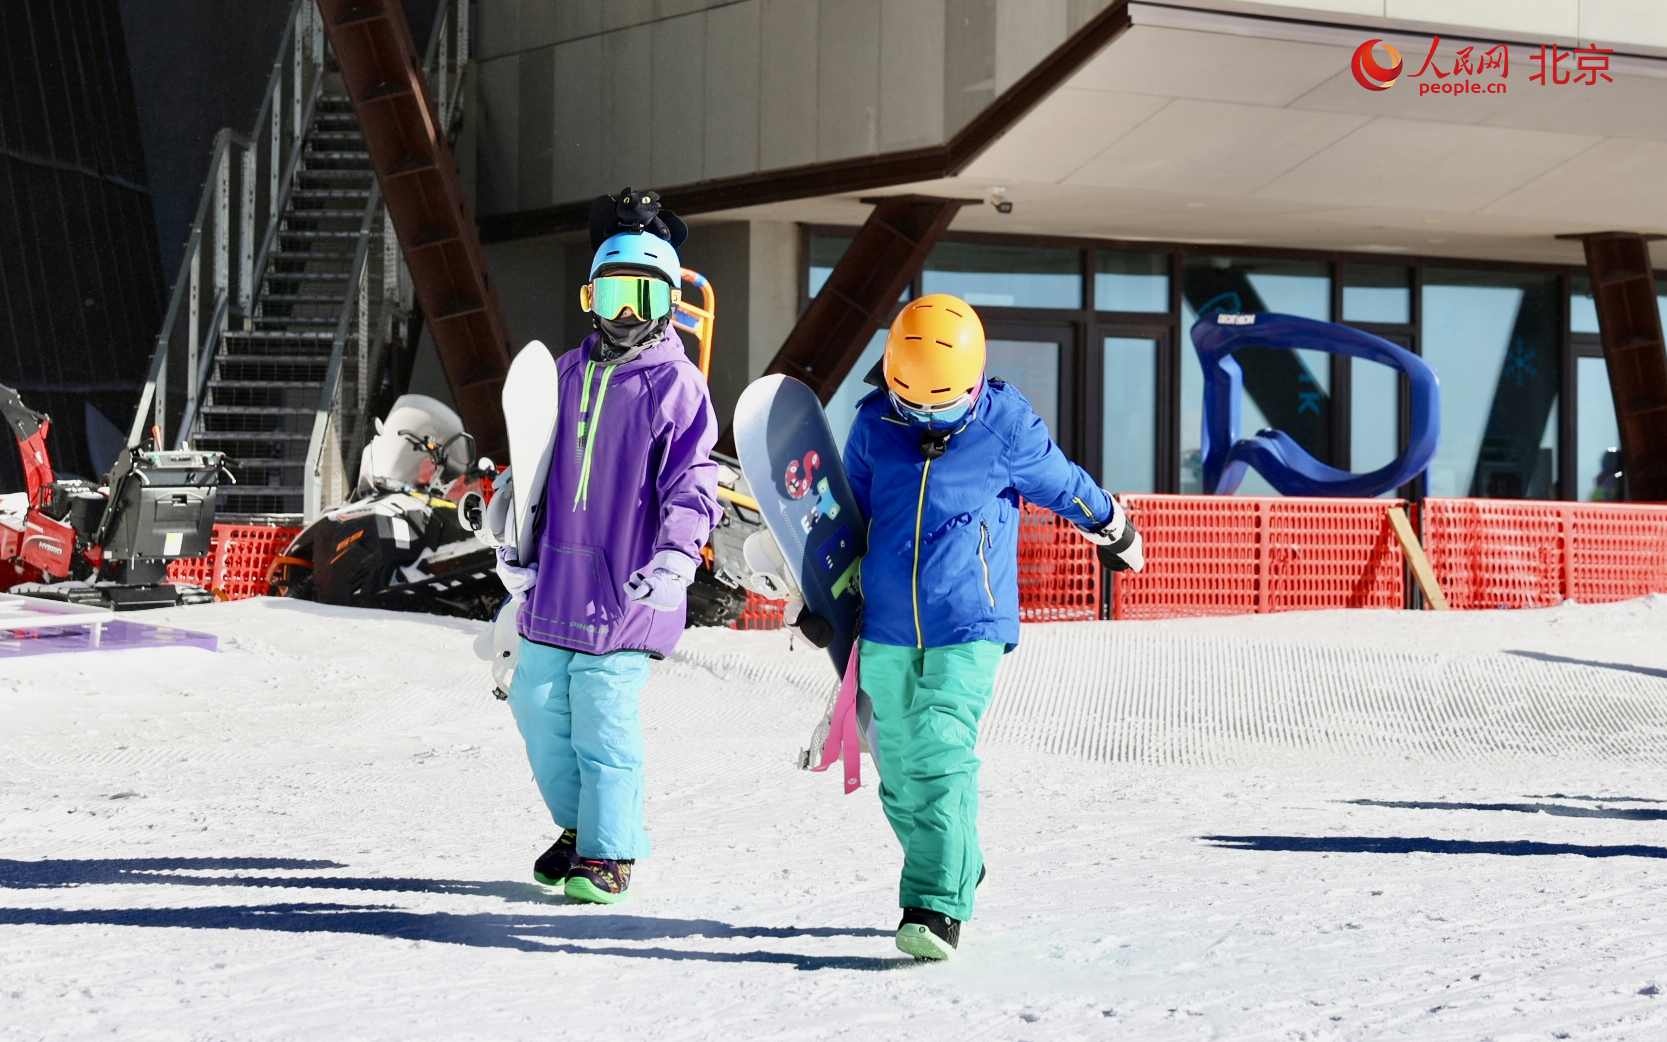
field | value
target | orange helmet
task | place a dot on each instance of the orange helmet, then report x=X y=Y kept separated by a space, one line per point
x=935 y=353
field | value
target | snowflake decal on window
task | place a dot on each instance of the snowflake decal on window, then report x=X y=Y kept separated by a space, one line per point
x=1521 y=364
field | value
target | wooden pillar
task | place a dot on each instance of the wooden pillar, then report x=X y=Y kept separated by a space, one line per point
x=1629 y=325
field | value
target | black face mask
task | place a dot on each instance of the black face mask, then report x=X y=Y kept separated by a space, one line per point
x=623 y=340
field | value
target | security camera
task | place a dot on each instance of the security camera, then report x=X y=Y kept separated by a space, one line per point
x=998 y=198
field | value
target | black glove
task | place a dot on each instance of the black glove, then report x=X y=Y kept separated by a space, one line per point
x=817 y=630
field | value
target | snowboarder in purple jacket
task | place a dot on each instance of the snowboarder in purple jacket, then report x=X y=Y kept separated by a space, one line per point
x=629 y=501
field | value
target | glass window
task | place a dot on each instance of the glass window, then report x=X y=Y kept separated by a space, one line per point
x=1004 y=276
x=1598 y=445
x=1125 y=281
x=1583 y=310
x=1377 y=293
x=1287 y=390
x=1249 y=284
x=1033 y=367
x=1374 y=416
x=1492 y=338
x=825 y=251
x=1128 y=429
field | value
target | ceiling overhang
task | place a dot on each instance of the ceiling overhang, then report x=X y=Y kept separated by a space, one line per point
x=1200 y=126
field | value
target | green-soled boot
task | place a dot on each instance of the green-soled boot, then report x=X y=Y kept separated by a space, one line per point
x=927 y=935
x=599 y=881
x=553 y=865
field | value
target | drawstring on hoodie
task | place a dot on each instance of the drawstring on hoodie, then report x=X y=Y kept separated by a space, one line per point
x=588 y=423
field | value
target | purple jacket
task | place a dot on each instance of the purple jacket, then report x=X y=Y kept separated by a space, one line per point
x=650 y=485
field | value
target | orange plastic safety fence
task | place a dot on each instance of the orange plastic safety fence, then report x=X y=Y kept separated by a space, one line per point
x=1231 y=555
x=1617 y=551
x=196 y=571
x=1493 y=553
x=1202 y=557
x=1059 y=574
x=759 y=614
x=1333 y=553
x=237 y=562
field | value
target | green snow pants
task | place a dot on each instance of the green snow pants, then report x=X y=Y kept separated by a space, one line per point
x=927 y=704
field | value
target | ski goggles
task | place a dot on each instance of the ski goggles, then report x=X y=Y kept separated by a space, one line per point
x=608 y=296
x=940 y=416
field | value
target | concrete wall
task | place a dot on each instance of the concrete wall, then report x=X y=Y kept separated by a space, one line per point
x=591 y=96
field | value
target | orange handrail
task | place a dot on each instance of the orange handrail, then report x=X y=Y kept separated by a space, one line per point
x=698 y=319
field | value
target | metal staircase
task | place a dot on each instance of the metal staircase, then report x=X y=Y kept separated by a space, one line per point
x=292 y=289
x=263 y=387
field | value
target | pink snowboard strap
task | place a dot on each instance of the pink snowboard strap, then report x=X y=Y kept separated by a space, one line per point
x=842 y=730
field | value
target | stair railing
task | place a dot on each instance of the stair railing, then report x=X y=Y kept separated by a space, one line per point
x=375 y=307
x=233 y=233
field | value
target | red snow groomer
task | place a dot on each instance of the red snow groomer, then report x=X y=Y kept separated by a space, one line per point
x=109 y=544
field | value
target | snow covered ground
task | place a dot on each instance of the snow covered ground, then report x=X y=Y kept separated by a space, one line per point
x=1303 y=826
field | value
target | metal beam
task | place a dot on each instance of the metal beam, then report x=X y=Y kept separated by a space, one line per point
x=881 y=262
x=414 y=166
x=1629 y=325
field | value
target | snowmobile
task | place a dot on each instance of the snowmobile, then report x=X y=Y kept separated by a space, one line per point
x=105 y=543
x=398 y=542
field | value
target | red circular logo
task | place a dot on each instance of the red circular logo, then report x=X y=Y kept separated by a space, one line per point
x=1368 y=73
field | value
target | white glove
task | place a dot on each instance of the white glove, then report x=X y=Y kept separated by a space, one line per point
x=663 y=583
x=518 y=579
x=1117 y=543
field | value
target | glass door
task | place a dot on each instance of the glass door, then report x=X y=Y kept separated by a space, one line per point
x=1597 y=436
x=1128 y=428
x=1039 y=359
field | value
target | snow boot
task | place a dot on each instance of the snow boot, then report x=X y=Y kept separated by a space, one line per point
x=928 y=935
x=553 y=866
x=599 y=881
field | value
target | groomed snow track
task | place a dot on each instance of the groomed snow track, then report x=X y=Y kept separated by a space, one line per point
x=1143 y=693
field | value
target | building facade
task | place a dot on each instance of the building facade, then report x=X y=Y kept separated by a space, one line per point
x=1129 y=166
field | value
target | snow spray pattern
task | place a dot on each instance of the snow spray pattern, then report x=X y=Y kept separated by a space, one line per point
x=1117 y=693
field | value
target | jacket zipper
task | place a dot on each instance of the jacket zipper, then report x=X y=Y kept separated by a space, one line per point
x=1085 y=511
x=920 y=512
x=984 y=537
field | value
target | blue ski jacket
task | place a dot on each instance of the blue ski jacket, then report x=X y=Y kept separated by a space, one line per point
x=943 y=535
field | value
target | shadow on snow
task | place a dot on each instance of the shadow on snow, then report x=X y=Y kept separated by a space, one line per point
x=531 y=933
x=1425 y=845
x=1622 y=667
x=1557 y=810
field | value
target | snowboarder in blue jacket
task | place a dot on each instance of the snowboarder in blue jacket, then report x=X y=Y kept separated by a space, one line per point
x=939 y=461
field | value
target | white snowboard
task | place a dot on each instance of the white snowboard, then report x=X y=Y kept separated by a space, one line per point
x=531 y=404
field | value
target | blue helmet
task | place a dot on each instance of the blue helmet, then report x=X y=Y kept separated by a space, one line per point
x=638 y=250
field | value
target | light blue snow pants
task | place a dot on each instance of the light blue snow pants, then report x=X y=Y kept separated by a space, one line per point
x=578 y=716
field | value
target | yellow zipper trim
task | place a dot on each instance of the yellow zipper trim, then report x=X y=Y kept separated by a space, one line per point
x=1085 y=511
x=983 y=537
x=920 y=512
